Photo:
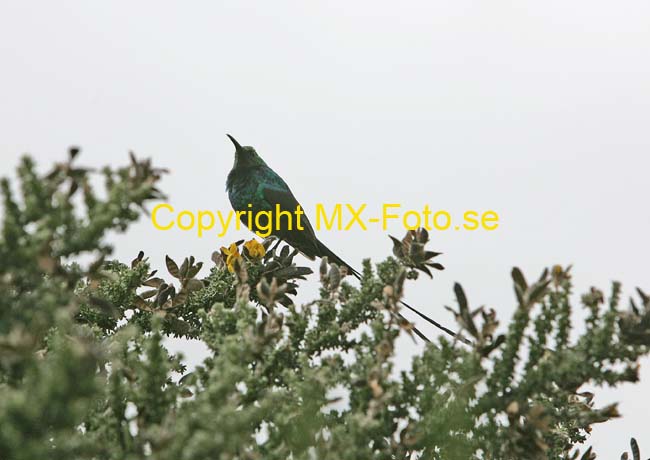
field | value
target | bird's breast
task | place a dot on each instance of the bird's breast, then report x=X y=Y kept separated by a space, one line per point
x=244 y=192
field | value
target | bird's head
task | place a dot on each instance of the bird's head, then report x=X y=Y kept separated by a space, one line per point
x=245 y=156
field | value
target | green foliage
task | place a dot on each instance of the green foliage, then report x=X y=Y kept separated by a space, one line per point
x=84 y=372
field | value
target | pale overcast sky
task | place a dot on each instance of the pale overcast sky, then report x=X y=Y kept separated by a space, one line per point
x=536 y=110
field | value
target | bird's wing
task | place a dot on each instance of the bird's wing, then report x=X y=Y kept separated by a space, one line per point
x=304 y=240
x=276 y=196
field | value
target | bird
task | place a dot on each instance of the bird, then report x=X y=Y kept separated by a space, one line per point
x=253 y=186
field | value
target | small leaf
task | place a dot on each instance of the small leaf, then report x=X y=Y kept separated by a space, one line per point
x=635 y=449
x=73 y=152
x=142 y=304
x=172 y=267
x=149 y=294
x=519 y=279
x=180 y=298
x=154 y=282
x=398 y=249
x=184 y=267
x=464 y=310
x=323 y=267
x=74 y=186
x=192 y=285
x=537 y=291
x=520 y=285
x=192 y=272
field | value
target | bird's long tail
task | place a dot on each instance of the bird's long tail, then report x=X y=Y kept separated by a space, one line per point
x=324 y=250
x=455 y=335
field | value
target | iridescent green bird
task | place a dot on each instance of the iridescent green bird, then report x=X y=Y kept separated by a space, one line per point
x=253 y=186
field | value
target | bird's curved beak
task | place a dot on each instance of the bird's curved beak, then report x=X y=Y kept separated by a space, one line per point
x=234 y=141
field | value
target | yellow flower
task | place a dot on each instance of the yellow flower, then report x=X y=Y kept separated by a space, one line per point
x=254 y=249
x=230 y=263
x=231 y=254
x=231 y=250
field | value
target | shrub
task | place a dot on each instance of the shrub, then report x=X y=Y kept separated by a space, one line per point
x=84 y=372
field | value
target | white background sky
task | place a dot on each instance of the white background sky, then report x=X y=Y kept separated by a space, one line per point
x=537 y=110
